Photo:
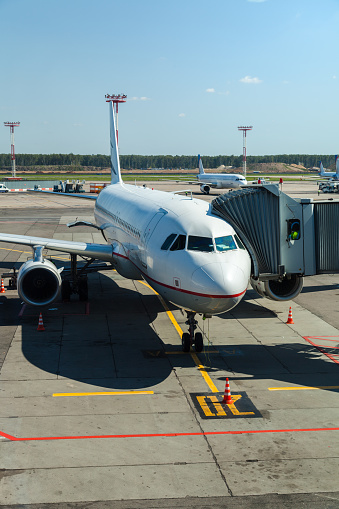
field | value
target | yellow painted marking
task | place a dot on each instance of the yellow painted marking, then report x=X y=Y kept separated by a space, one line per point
x=30 y=252
x=122 y=393
x=303 y=388
x=203 y=372
x=217 y=405
x=194 y=356
x=202 y=402
x=233 y=408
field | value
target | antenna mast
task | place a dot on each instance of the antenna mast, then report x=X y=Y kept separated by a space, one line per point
x=244 y=129
x=11 y=125
x=116 y=99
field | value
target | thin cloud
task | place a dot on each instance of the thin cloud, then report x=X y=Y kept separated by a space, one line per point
x=139 y=99
x=182 y=115
x=210 y=90
x=248 y=79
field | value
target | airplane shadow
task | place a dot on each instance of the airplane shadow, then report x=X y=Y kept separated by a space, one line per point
x=112 y=342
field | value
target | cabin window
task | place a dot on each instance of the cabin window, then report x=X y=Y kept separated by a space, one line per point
x=168 y=241
x=200 y=244
x=179 y=243
x=225 y=243
x=239 y=243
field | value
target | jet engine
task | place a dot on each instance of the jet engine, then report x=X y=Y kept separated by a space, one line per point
x=282 y=289
x=204 y=188
x=39 y=282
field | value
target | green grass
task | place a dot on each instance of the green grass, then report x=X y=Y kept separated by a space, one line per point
x=155 y=177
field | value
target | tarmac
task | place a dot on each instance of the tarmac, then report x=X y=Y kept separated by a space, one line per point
x=104 y=410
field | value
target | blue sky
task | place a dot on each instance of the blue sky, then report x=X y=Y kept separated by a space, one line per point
x=192 y=70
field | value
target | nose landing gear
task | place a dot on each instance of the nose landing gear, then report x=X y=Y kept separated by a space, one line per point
x=190 y=338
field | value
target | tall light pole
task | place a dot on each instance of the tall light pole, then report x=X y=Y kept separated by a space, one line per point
x=244 y=129
x=11 y=125
x=116 y=99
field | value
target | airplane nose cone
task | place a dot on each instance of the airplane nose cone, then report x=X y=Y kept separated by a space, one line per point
x=220 y=279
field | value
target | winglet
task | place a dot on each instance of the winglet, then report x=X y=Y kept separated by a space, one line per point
x=115 y=163
x=201 y=168
x=337 y=166
x=321 y=168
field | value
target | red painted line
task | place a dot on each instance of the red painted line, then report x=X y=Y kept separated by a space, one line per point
x=320 y=347
x=168 y=435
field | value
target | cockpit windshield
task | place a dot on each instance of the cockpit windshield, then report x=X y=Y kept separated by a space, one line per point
x=200 y=244
x=225 y=243
x=168 y=241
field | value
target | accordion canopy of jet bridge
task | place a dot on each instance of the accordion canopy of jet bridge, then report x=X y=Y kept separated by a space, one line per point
x=283 y=236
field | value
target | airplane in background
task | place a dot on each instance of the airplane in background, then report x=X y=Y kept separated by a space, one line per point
x=216 y=180
x=191 y=257
x=330 y=174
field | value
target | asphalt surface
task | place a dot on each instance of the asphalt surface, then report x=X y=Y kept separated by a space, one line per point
x=103 y=410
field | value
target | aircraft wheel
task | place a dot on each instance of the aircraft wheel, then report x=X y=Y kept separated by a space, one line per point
x=198 y=342
x=66 y=291
x=186 y=342
x=83 y=290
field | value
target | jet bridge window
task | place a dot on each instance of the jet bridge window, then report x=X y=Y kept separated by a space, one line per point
x=179 y=243
x=168 y=241
x=200 y=244
x=225 y=243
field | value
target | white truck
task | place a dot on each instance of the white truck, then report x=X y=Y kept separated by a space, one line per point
x=3 y=188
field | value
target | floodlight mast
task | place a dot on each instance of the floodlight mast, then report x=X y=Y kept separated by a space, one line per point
x=116 y=99
x=244 y=129
x=11 y=125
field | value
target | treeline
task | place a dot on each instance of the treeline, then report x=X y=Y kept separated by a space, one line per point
x=161 y=161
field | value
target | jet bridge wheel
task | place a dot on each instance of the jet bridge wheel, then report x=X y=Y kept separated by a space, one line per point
x=186 y=342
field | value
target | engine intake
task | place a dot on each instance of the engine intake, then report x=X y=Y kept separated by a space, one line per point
x=39 y=282
x=204 y=188
x=283 y=289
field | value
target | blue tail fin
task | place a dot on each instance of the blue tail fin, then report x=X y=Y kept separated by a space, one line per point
x=201 y=168
x=115 y=163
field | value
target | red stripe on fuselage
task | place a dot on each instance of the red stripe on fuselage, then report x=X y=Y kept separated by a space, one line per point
x=180 y=289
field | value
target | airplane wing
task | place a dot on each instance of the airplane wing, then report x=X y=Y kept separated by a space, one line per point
x=70 y=195
x=90 y=250
x=191 y=182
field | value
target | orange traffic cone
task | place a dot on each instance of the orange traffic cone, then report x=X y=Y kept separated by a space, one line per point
x=2 y=290
x=227 y=396
x=290 y=319
x=41 y=324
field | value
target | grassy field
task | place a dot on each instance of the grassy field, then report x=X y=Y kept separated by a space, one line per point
x=154 y=177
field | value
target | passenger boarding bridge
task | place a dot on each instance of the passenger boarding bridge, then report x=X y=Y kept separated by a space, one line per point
x=287 y=238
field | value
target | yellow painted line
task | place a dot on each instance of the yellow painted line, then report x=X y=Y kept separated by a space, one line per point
x=303 y=388
x=121 y=393
x=194 y=356
x=203 y=372
x=30 y=252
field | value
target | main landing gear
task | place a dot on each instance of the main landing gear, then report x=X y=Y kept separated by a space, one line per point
x=190 y=338
x=75 y=281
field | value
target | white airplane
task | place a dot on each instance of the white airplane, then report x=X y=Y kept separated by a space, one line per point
x=216 y=180
x=191 y=257
x=330 y=174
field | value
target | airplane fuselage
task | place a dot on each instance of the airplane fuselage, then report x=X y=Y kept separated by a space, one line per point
x=222 y=180
x=189 y=256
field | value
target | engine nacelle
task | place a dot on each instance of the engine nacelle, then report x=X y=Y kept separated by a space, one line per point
x=39 y=282
x=283 y=289
x=204 y=188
